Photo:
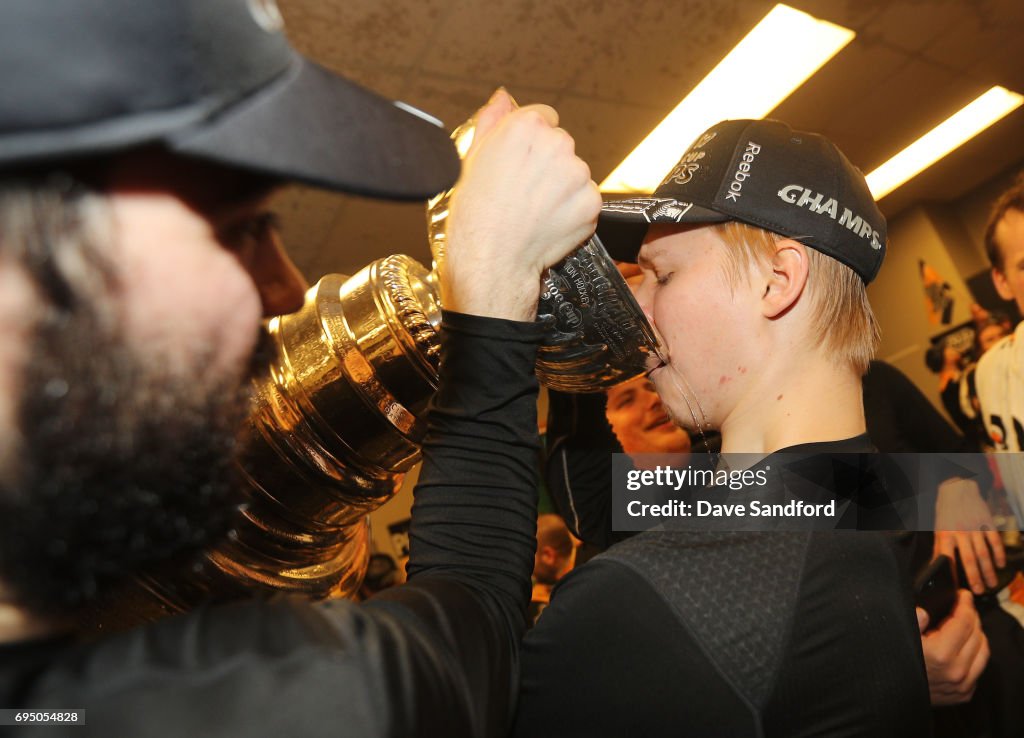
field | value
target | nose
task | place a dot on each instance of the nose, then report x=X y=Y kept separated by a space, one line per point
x=642 y=291
x=651 y=399
x=281 y=285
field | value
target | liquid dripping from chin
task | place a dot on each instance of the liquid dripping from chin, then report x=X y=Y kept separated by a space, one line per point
x=687 y=393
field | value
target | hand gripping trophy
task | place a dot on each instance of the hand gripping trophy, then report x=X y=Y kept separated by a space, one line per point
x=339 y=414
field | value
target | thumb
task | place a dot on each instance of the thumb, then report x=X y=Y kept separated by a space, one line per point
x=487 y=117
x=922 y=619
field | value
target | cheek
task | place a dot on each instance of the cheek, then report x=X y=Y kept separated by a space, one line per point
x=690 y=322
x=207 y=305
x=183 y=293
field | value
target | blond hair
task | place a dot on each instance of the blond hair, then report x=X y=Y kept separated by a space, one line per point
x=841 y=313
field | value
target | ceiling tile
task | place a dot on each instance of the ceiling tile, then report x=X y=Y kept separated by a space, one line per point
x=454 y=100
x=839 y=88
x=365 y=33
x=605 y=132
x=1001 y=64
x=852 y=14
x=530 y=43
x=913 y=24
x=654 y=53
x=919 y=96
x=964 y=44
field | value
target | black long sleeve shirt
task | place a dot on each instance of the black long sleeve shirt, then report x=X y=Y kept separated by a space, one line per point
x=715 y=633
x=437 y=656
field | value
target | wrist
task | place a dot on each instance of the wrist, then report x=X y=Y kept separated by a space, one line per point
x=491 y=300
x=491 y=290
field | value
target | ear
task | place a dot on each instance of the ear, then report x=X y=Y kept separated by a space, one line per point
x=547 y=555
x=1002 y=286
x=787 y=278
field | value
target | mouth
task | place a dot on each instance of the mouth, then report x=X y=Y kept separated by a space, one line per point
x=661 y=420
x=655 y=361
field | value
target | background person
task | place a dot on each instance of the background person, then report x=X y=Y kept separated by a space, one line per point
x=555 y=557
x=640 y=422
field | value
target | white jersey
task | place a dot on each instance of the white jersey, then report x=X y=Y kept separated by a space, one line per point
x=1000 y=385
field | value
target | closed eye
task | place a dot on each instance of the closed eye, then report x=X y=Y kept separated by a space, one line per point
x=248 y=231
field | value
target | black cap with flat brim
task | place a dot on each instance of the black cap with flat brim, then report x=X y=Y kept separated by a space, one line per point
x=211 y=79
x=623 y=223
x=347 y=138
x=763 y=173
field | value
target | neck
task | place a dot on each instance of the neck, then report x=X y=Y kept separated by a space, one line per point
x=807 y=400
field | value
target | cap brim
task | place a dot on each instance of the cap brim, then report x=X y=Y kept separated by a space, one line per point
x=623 y=224
x=312 y=126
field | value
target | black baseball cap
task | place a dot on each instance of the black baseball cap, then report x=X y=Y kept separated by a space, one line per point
x=763 y=173
x=211 y=79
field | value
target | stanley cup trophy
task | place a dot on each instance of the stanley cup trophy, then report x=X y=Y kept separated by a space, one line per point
x=338 y=417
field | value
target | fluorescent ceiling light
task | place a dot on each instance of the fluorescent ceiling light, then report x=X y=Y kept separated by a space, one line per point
x=775 y=58
x=952 y=133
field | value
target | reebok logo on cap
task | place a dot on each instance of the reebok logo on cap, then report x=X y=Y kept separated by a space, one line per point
x=742 y=172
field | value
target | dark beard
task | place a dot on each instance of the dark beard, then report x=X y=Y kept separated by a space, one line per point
x=124 y=466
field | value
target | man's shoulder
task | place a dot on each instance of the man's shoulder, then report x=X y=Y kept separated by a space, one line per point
x=1006 y=353
x=248 y=667
x=195 y=646
x=999 y=378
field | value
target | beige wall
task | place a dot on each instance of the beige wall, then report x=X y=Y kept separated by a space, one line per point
x=950 y=238
x=397 y=508
x=897 y=296
x=973 y=210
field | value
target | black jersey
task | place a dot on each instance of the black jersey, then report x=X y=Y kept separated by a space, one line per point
x=717 y=633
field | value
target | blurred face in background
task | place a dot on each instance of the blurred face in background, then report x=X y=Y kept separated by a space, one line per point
x=640 y=421
x=1009 y=235
x=990 y=335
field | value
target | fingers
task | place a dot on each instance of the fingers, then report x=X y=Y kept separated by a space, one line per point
x=969 y=557
x=974 y=659
x=486 y=118
x=955 y=630
x=995 y=542
x=976 y=670
x=955 y=654
x=524 y=201
x=945 y=544
x=981 y=552
x=979 y=542
x=548 y=113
